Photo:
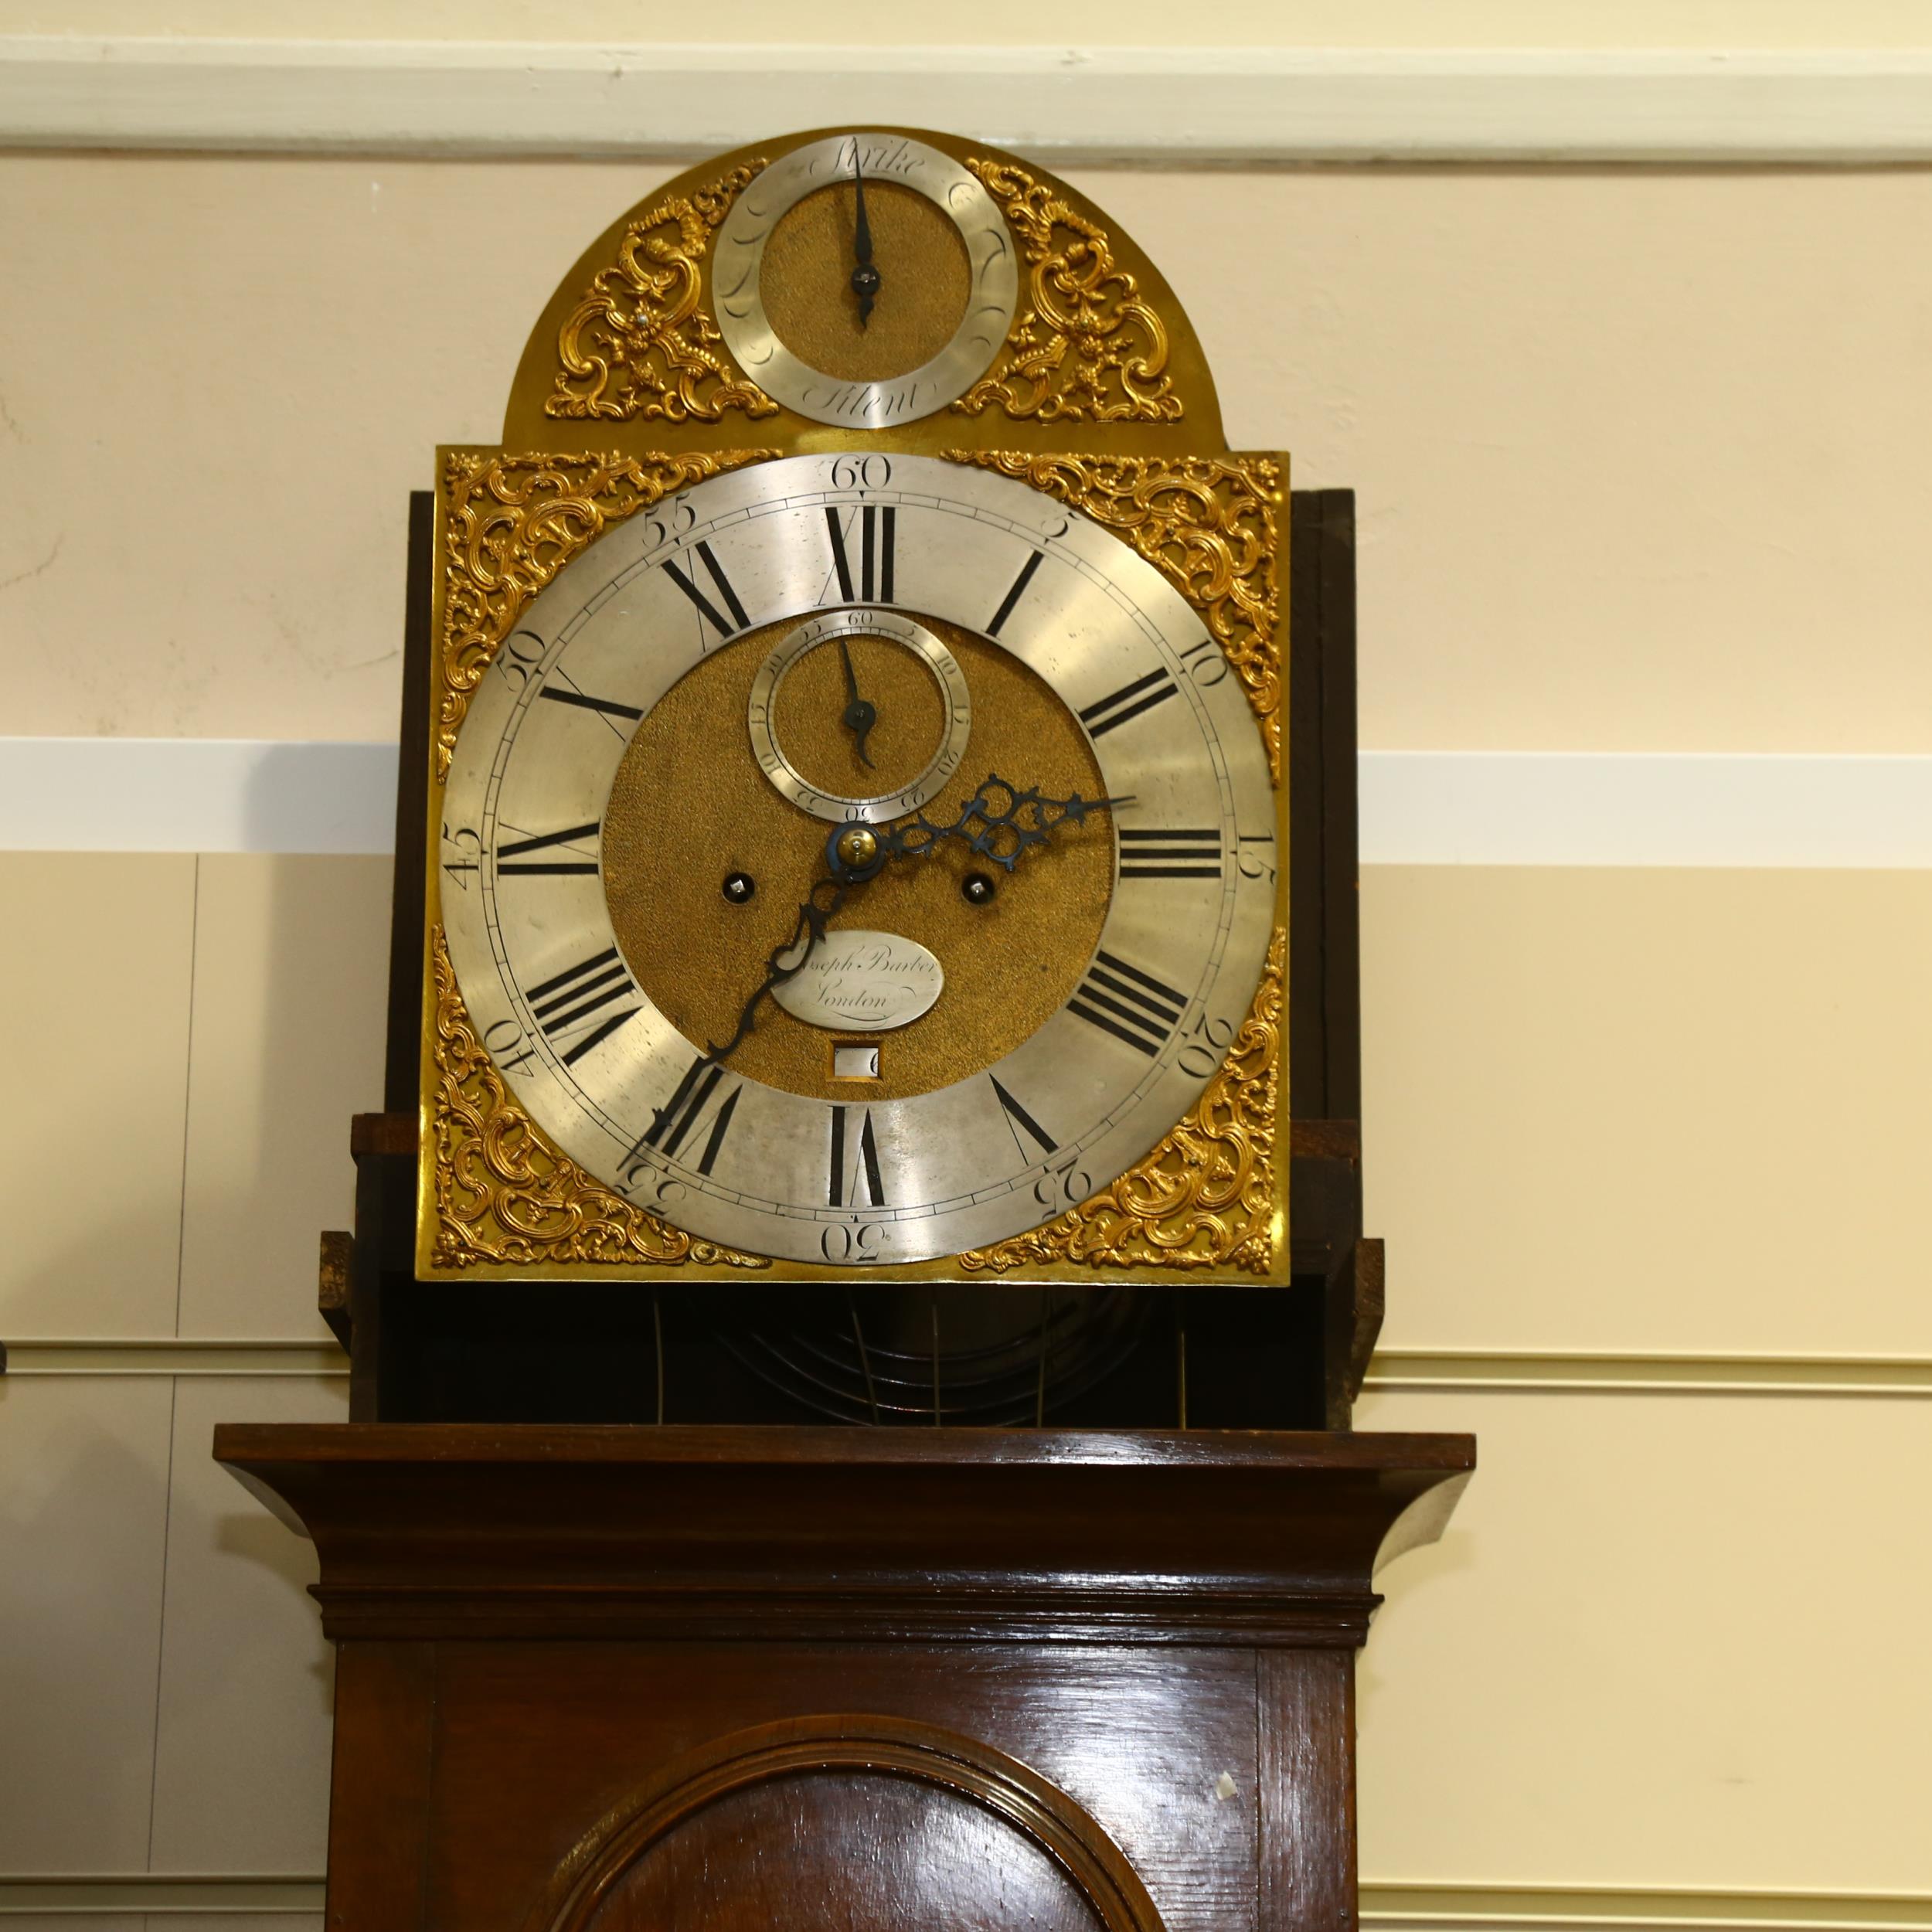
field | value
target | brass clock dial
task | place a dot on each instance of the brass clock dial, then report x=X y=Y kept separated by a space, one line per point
x=865 y=279
x=622 y=874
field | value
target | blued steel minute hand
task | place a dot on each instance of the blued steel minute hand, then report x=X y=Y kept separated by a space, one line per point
x=997 y=823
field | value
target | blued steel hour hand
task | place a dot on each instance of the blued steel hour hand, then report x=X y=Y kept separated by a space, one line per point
x=999 y=822
x=859 y=715
x=864 y=277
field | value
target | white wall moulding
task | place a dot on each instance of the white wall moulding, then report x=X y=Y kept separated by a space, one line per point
x=1418 y=807
x=165 y=1354
x=1392 y=1368
x=1395 y=1906
x=1387 y=1906
x=195 y=795
x=1644 y=808
x=136 y=1894
x=1649 y=1374
x=1101 y=105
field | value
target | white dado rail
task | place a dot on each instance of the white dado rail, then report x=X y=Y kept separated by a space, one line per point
x=1417 y=807
x=1173 y=106
x=1386 y=1906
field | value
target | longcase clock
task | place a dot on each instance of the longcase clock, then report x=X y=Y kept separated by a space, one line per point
x=874 y=944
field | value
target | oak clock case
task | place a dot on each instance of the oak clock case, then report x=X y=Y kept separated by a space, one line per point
x=963 y=568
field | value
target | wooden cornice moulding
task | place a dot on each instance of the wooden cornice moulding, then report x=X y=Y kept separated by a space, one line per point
x=428 y=1531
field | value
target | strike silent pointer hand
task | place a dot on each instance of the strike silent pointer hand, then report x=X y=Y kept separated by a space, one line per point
x=858 y=716
x=864 y=277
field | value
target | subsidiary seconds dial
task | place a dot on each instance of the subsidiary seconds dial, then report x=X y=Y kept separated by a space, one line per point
x=622 y=863
x=838 y=632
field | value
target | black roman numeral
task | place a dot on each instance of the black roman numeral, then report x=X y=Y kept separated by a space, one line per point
x=1017 y=1118
x=675 y=1122
x=1129 y=702
x=1131 y=1005
x=1019 y=590
x=578 y=995
x=876 y=532
x=706 y=609
x=543 y=842
x=1170 y=854
x=849 y=1174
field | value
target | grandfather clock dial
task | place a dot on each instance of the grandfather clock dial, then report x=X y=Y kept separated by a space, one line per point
x=865 y=279
x=843 y=724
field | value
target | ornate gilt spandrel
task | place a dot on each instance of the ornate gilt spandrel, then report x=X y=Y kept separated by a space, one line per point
x=510 y=524
x=503 y=1193
x=1214 y=525
x=1205 y=1197
x=640 y=344
x=1087 y=345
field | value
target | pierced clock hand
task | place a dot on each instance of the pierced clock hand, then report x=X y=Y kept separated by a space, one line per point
x=816 y=911
x=999 y=822
x=865 y=278
x=858 y=716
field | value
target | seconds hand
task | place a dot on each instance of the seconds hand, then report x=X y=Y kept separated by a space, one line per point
x=859 y=715
x=864 y=277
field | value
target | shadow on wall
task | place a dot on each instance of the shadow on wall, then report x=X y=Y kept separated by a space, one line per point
x=291 y=957
x=329 y=799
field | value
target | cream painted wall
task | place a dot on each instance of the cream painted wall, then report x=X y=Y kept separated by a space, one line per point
x=1639 y=454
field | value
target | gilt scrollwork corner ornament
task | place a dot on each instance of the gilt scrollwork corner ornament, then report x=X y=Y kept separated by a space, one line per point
x=505 y=1194
x=1212 y=525
x=511 y=522
x=1205 y=1197
x=1087 y=345
x=640 y=344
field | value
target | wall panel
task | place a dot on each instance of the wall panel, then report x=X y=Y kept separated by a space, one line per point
x=94 y=977
x=83 y=1518
x=1649 y=1110
x=1669 y=1641
x=242 y=1756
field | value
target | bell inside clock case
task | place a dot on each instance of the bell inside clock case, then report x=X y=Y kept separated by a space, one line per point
x=1130 y=1199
